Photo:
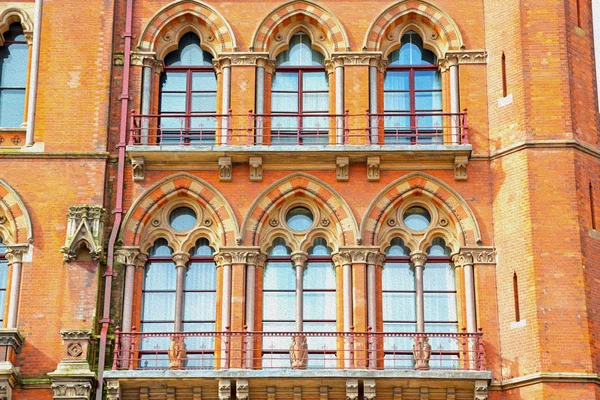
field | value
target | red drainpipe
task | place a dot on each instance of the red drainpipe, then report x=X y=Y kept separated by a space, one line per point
x=118 y=210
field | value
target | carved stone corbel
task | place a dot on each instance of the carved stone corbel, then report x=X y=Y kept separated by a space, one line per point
x=373 y=168
x=85 y=227
x=224 y=389
x=342 y=168
x=241 y=389
x=113 y=390
x=138 y=169
x=369 y=389
x=460 y=168
x=256 y=169
x=225 y=169
x=481 y=390
x=351 y=389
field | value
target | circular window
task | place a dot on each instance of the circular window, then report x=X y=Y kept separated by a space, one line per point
x=182 y=219
x=299 y=218
x=417 y=218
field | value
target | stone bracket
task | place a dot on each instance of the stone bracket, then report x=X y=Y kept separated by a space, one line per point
x=241 y=389
x=225 y=169
x=256 y=169
x=475 y=256
x=224 y=389
x=481 y=390
x=369 y=389
x=373 y=168
x=352 y=389
x=85 y=227
x=460 y=168
x=138 y=170
x=342 y=168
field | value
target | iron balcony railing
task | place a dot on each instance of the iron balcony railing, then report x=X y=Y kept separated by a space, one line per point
x=298 y=350
x=298 y=129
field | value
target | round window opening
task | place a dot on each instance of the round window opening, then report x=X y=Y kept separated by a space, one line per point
x=417 y=218
x=182 y=219
x=299 y=218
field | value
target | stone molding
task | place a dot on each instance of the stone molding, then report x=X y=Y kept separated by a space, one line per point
x=461 y=57
x=15 y=252
x=131 y=255
x=72 y=389
x=240 y=255
x=11 y=338
x=474 y=256
x=85 y=227
x=359 y=255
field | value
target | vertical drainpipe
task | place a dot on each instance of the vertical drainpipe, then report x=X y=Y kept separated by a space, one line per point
x=33 y=78
x=118 y=210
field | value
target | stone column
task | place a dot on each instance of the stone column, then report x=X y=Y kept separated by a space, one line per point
x=418 y=260
x=339 y=101
x=148 y=64
x=131 y=258
x=223 y=66
x=254 y=260
x=262 y=63
x=343 y=259
x=223 y=261
x=181 y=259
x=299 y=260
x=14 y=255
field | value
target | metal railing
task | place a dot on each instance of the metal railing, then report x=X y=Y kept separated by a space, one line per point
x=298 y=350
x=298 y=129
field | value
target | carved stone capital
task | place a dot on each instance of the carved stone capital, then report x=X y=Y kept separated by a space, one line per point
x=131 y=255
x=15 y=252
x=85 y=228
x=181 y=259
x=475 y=255
x=459 y=57
x=257 y=259
x=375 y=258
x=113 y=390
x=240 y=255
x=418 y=259
x=220 y=63
x=299 y=259
x=356 y=58
x=244 y=59
x=11 y=338
x=72 y=389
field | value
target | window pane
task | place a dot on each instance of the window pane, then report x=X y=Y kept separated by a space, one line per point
x=285 y=81
x=300 y=53
x=394 y=101
x=319 y=276
x=172 y=102
x=201 y=276
x=158 y=307
x=440 y=307
x=319 y=306
x=438 y=276
x=160 y=276
x=285 y=102
x=315 y=102
x=283 y=124
x=204 y=81
x=3 y=276
x=427 y=80
x=315 y=81
x=279 y=275
x=428 y=101
x=199 y=306
x=203 y=124
x=279 y=306
x=13 y=65
x=397 y=276
x=317 y=125
x=397 y=123
x=399 y=307
x=396 y=80
x=174 y=81
x=12 y=105
x=204 y=102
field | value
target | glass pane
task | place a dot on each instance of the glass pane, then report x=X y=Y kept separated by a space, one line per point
x=315 y=81
x=279 y=248
x=397 y=276
x=318 y=127
x=160 y=276
x=396 y=80
x=426 y=101
x=283 y=124
x=203 y=125
x=279 y=275
x=172 y=102
x=182 y=218
x=201 y=276
x=189 y=53
x=399 y=307
x=320 y=348
x=440 y=307
x=285 y=81
x=300 y=53
x=438 y=248
x=397 y=248
x=203 y=248
x=13 y=65
x=417 y=218
x=204 y=102
x=398 y=350
x=396 y=101
x=438 y=276
x=204 y=81
x=160 y=249
x=319 y=276
x=158 y=307
x=3 y=276
x=285 y=102
x=279 y=306
x=155 y=344
x=299 y=218
x=427 y=80
x=174 y=81
x=319 y=306
x=315 y=102
x=199 y=306
x=12 y=106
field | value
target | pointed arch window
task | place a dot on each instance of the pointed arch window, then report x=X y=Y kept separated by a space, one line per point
x=14 y=56
x=412 y=94
x=188 y=95
x=300 y=95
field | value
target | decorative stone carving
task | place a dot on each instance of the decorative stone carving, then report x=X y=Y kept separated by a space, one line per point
x=365 y=255
x=11 y=338
x=177 y=353
x=72 y=389
x=242 y=389
x=475 y=255
x=418 y=259
x=369 y=389
x=76 y=344
x=460 y=168
x=239 y=255
x=5 y=390
x=342 y=168
x=256 y=169
x=113 y=390
x=225 y=169
x=15 y=252
x=73 y=378
x=299 y=259
x=421 y=352
x=358 y=58
x=129 y=255
x=138 y=169
x=224 y=389
x=481 y=390
x=351 y=389
x=84 y=228
x=181 y=259
x=373 y=164
x=299 y=352
x=243 y=59
x=323 y=392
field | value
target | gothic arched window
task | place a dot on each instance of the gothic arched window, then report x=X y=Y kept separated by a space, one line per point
x=13 y=77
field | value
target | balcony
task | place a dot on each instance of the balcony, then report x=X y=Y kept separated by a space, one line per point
x=279 y=351
x=316 y=138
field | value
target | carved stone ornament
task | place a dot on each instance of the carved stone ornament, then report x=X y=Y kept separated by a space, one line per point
x=130 y=255
x=421 y=352
x=138 y=169
x=373 y=170
x=358 y=58
x=460 y=168
x=12 y=338
x=224 y=389
x=15 y=252
x=481 y=390
x=5 y=390
x=76 y=344
x=242 y=389
x=3 y=219
x=225 y=169
x=369 y=389
x=85 y=227
x=177 y=353
x=238 y=255
x=113 y=390
x=475 y=255
x=118 y=59
x=342 y=168
x=352 y=389
x=299 y=352
x=74 y=389
x=256 y=169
